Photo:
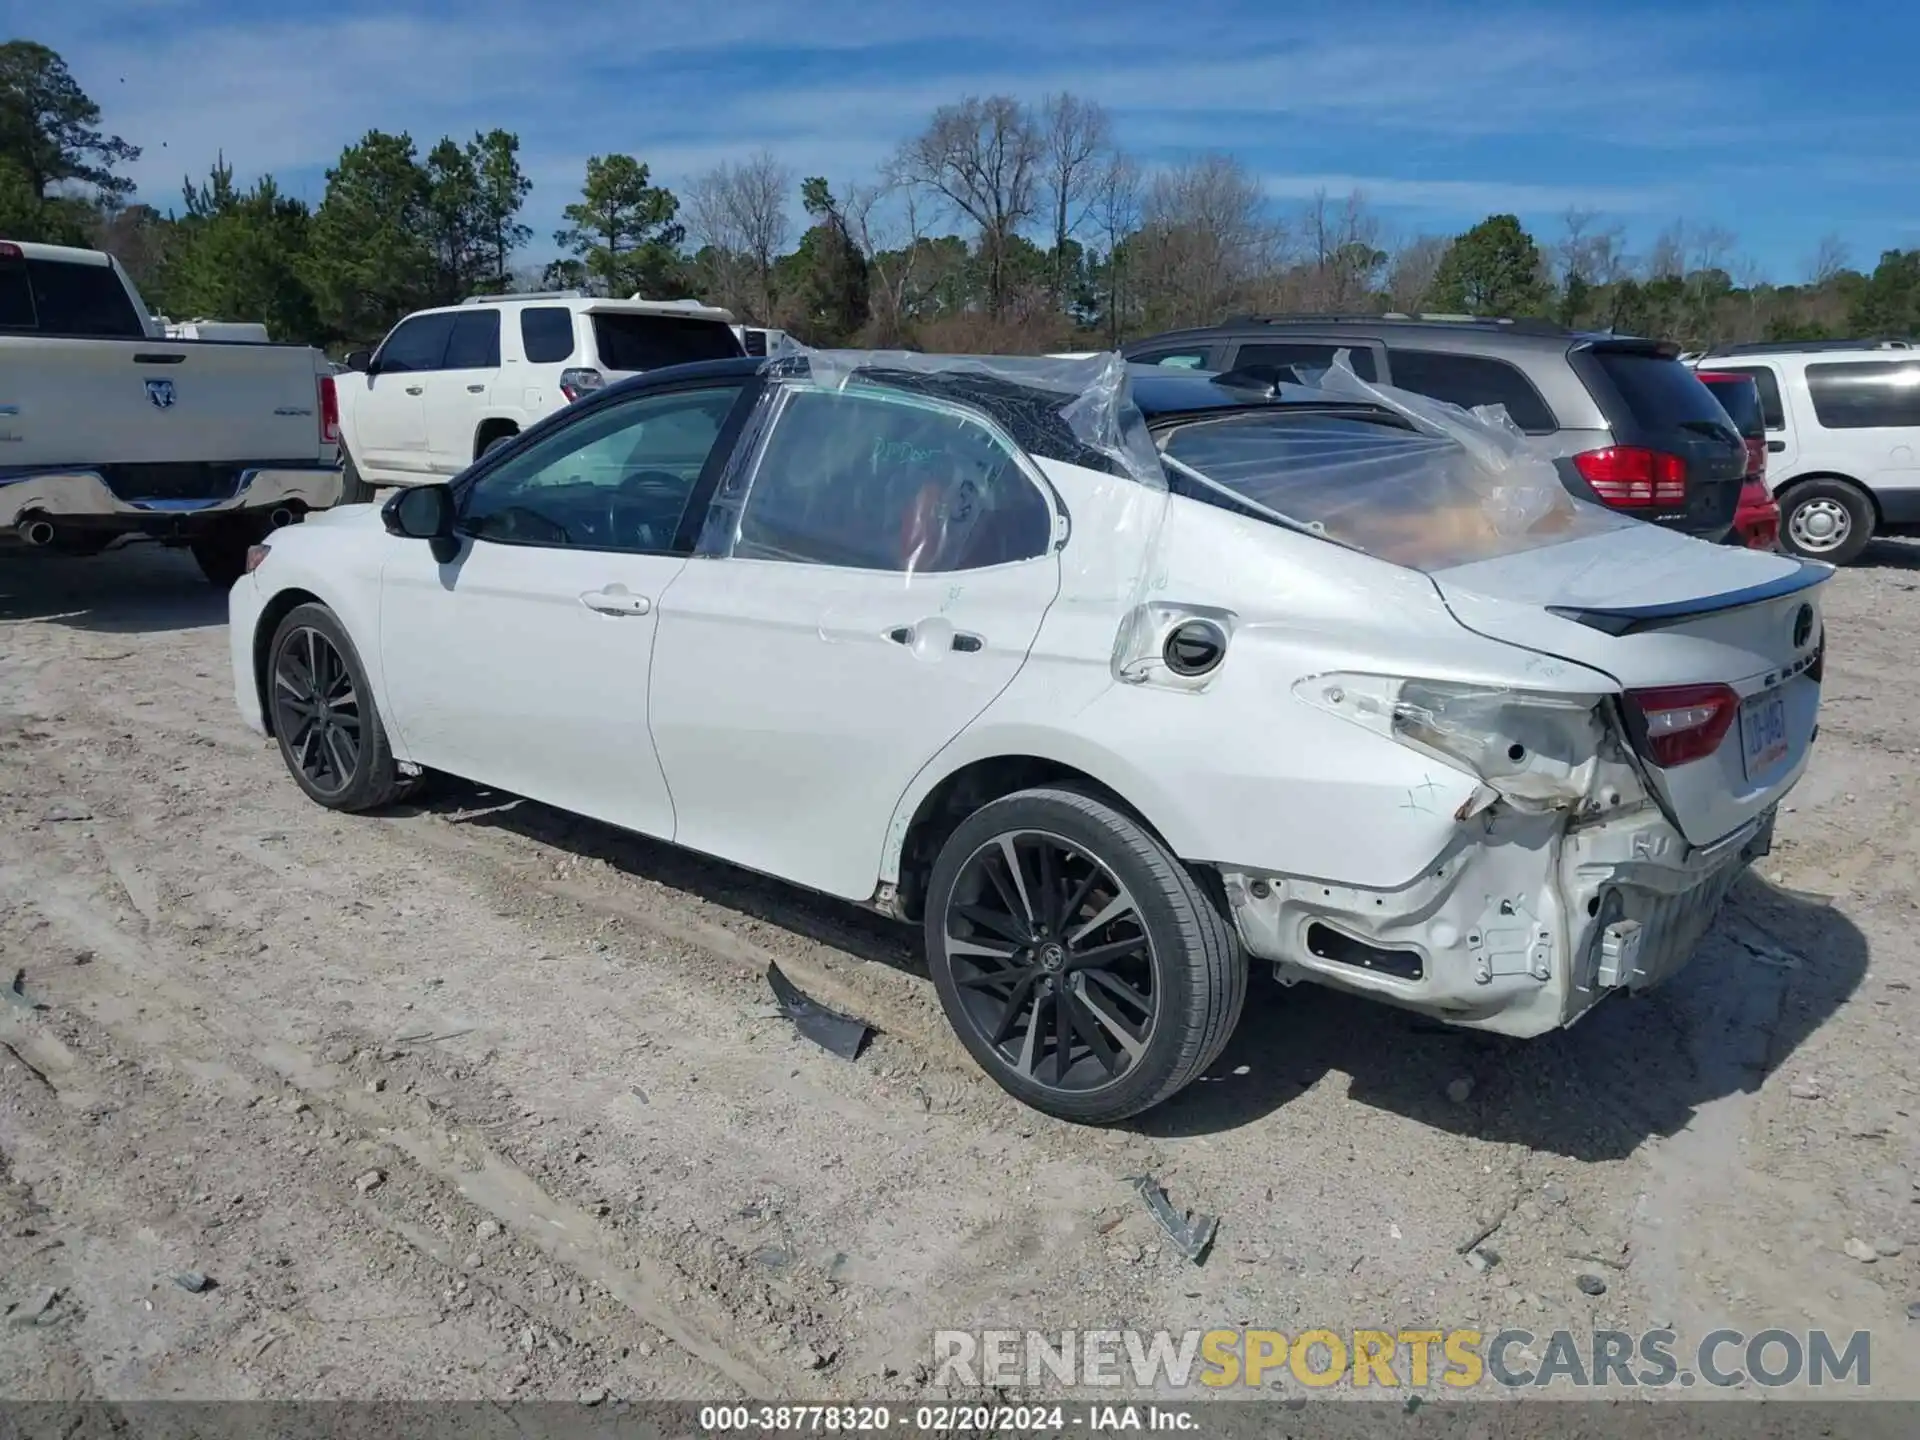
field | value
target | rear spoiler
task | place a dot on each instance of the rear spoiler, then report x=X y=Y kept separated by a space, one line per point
x=1631 y=619
x=1629 y=345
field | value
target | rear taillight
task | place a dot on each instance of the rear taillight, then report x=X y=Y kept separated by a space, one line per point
x=1680 y=723
x=580 y=381
x=1627 y=476
x=10 y=251
x=329 y=412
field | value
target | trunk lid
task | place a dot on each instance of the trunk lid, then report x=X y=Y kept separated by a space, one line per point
x=1661 y=612
x=98 y=403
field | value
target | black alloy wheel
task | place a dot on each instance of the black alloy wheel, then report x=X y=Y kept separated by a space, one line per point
x=1052 y=960
x=1089 y=971
x=316 y=706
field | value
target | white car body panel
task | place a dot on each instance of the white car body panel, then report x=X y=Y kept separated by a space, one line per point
x=760 y=711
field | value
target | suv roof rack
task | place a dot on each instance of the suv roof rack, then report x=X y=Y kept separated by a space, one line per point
x=525 y=295
x=1782 y=347
x=1523 y=325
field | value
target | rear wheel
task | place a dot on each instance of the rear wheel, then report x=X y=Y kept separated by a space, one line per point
x=1081 y=964
x=1829 y=520
x=330 y=733
x=221 y=554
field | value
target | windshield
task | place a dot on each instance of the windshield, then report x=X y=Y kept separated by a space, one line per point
x=1422 y=500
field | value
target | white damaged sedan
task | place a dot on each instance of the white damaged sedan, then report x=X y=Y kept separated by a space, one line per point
x=1115 y=683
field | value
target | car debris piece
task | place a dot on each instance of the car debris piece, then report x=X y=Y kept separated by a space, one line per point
x=17 y=993
x=192 y=1281
x=1192 y=1234
x=829 y=1029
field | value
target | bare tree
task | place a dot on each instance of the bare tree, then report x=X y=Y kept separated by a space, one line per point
x=1206 y=243
x=1830 y=257
x=1410 y=274
x=1343 y=259
x=1667 y=260
x=1116 y=210
x=887 y=221
x=1711 y=248
x=1076 y=139
x=738 y=213
x=983 y=158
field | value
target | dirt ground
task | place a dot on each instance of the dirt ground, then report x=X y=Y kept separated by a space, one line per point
x=476 y=1100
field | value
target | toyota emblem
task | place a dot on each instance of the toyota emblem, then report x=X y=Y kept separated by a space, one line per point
x=1802 y=626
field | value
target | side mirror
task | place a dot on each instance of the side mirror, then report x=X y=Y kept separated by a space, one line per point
x=420 y=512
x=360 y=361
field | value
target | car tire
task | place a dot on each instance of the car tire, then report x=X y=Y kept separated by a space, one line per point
x=1826 y=519
x=1128 y=1045
x=221 y=555
x=496 y=442
x=336 y=750
x=355 y=489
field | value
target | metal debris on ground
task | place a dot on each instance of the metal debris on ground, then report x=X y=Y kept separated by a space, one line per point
x=192 y=1281
x=829 y=1029
x=1192 y=1233
x=17 y=993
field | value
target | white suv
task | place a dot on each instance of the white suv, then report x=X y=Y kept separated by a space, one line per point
x=1843 y=438
x=447 y=385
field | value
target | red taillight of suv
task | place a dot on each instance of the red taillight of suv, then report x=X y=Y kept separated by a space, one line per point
x=329 y=412
x=1629 y=477
x=1679 y=723
x=1756 y=519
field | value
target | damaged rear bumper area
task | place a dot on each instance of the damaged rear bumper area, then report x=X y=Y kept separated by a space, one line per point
x=1520 y=926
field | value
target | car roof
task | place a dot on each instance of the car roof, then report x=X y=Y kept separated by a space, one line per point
x=1464 y=333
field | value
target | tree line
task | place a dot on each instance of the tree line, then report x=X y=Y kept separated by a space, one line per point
x=998 y=226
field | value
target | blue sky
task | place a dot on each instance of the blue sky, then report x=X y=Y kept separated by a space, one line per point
x=1780 y=122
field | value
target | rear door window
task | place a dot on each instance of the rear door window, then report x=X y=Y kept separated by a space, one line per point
x=1470 y=380
x=546 y=334
x=648 y=342
x=1186 y=357
x=1305 y=356
x=415 y=345
x=16 y=296
x=1741 y=400
x=1867 y=395
x=1772 y=412
x=475 y=342
x=89 y=300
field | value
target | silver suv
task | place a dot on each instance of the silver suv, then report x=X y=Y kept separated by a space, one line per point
x=1635 y=430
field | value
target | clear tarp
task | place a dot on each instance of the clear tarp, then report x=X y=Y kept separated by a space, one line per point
x=1458 y=486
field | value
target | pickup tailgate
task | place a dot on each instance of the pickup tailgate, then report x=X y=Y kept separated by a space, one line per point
x=150 y=402
x=1707 y=639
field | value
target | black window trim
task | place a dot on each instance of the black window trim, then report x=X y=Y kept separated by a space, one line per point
x=1061 y=522
x=692 y=517
x=1755 y=371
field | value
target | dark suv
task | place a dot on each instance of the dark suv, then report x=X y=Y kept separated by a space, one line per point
x=1633 y=427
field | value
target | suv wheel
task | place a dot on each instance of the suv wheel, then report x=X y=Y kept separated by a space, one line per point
x=354 y=488
x=1081 y=964
x=1829 y=520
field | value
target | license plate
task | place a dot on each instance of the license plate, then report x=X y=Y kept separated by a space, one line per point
x=1763 y=732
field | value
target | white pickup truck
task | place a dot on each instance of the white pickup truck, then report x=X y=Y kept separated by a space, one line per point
x=109 y=428
x=449 y=384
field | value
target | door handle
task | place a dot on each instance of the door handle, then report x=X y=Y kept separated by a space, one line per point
x=616 y=600
x=967 y=643
x=1776 y=446
x=901 y=634
x=415 y=390
x=475 y=389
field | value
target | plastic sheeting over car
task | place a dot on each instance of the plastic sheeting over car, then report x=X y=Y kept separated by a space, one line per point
x=1407 y=479
x=1443 y=487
